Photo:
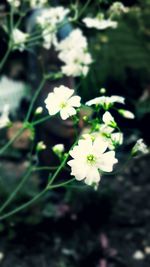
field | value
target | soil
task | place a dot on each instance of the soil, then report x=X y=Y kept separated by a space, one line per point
x=107 y=228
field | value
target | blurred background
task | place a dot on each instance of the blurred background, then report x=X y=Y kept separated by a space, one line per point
x=77 y=226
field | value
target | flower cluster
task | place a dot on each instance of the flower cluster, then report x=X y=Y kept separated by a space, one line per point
x=73 y=51
x=49 y=20
x=19 y=39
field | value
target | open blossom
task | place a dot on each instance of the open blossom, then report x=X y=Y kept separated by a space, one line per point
x=48 y=20
x=106 y=101
x=62 y=100
x=4 y=118
x=73 y=51
x=19 y=38
x=89 y=158
x=99 y=22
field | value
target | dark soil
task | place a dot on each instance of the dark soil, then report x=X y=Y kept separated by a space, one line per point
x=108 y=228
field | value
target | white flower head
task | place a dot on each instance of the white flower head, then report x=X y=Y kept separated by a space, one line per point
x=15 y=3
x=108 y=119
x=37 y=3
x=140 y=146
x=106 y=101
x=73 y=51
x=19 y=38
x=4 y=118
x=126 y=113
x=99 y=23
x=58 y=149
x=40 y=146
x=38 y=110
x=89 y=158
x=49 y=19
x=62 y=100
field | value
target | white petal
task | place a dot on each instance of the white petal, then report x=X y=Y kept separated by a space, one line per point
x=74 y=101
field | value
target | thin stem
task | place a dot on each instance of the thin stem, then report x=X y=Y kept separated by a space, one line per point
x=34 y=99
x=4 y=59
x=25 y=205
x=57 y=171
x=45 y=168
x=18 y=133
x=41 y=120
x=13 y=194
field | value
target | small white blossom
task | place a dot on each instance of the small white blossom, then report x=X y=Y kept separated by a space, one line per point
x=48 y=20
x=38 y=110
x=37 y=3
x=58 y=149
x=108 y=119
x=62 y=100
x=15 y=3
x=4 y=118
x=19 y=38
x=140 y=146
x=106 y=101
x=99 y=22
x=73 y=51
x=138 y=255
x=126 y=113
x=40 y=146
x=90 y=157
x=11 y=90
x=118 y=8
x=106 y=133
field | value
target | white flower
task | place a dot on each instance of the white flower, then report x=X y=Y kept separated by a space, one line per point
x=99 y=23
x=126 y=113
x=15 y=3
x=90 y=157
x=106 y=133
x=11 y=93
x=38 y=110
x=73 y=51
x=4 y=118
x=49 y=19
x=19 y=38
x=58 y=149
x=37 y=3
x=117 y=8
x=40 y=146
x=140 y=146
x=61 y=100
x=106 y=101
x=108 y=119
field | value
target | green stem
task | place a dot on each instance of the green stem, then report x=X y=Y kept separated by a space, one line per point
x=34 y=99
x=4 y=59
x=13 y=194
x=25 y=205
x=57 y=171
x=41 y=120
x=18 y=133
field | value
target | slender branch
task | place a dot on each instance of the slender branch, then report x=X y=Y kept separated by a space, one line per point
x=18 y=133
x=13 y=194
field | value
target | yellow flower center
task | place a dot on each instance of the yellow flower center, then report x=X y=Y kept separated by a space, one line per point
x=63 y=105
x=91 y=159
